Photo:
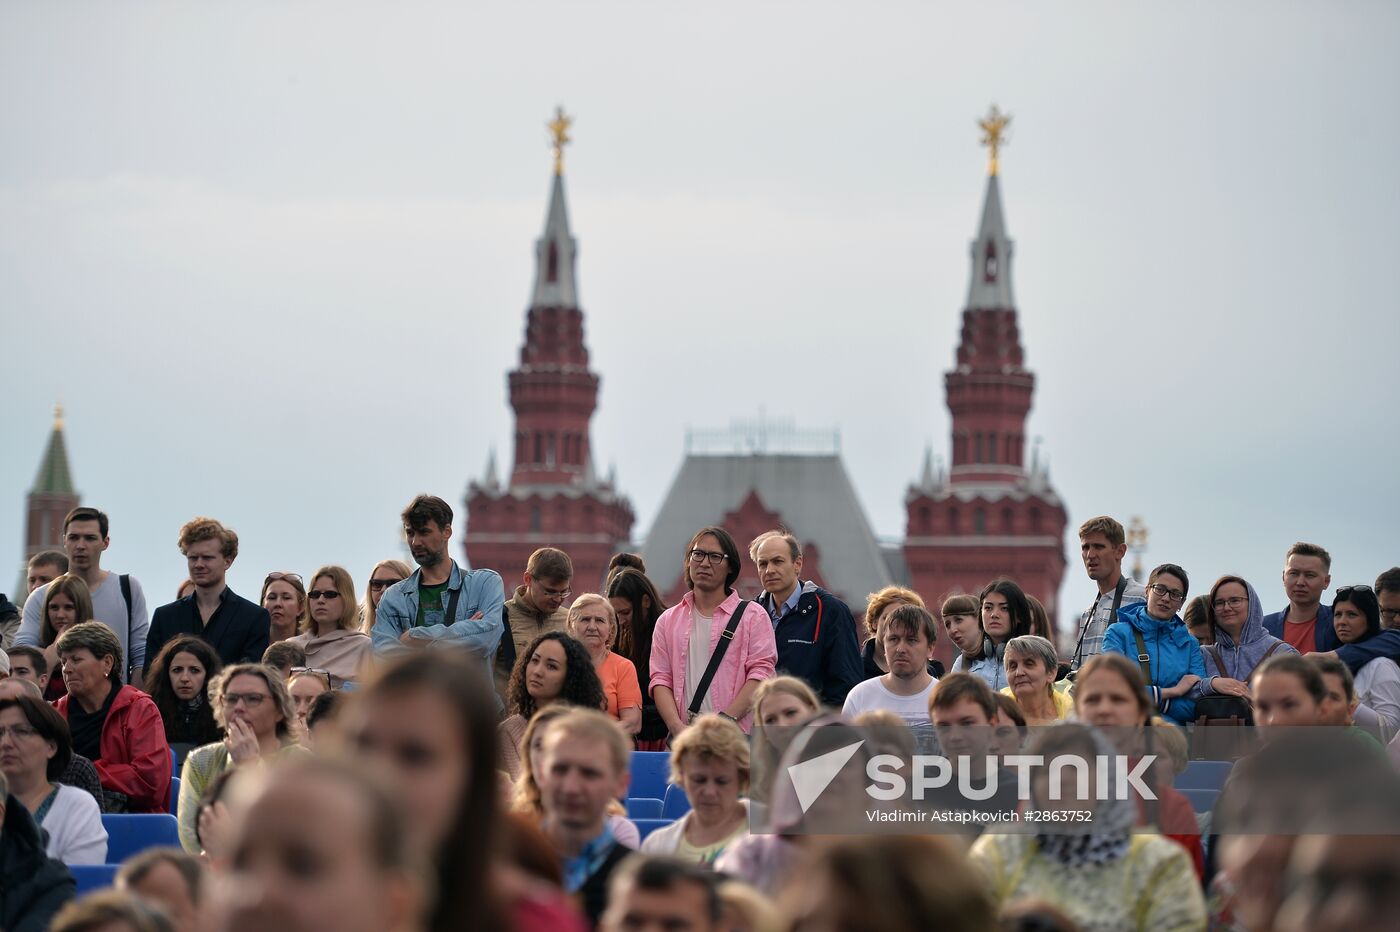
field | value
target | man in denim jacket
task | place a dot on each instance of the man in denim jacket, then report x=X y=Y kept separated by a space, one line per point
x=413 y=612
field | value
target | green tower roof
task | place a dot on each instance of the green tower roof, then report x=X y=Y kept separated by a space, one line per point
x=54 y=477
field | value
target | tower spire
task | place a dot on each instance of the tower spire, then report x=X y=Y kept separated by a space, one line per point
x=990 y=285
x=54 y=477
x=555 y=250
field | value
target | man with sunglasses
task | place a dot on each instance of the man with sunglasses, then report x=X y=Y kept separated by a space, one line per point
x=441 y=604
x=536 y=608
x=236 y=628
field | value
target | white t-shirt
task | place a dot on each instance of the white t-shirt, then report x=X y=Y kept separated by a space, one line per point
x=872 y=694
x=74 y=828
x=108 y=607
x=697 y=658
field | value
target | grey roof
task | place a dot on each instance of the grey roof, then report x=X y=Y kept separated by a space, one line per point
x=812 y=493
x=562 y=291
x=995 y=293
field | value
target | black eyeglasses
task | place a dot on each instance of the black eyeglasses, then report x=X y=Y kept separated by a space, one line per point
x=698 y=556
x=315 y=594
x=312 y=671
x=1176 y=595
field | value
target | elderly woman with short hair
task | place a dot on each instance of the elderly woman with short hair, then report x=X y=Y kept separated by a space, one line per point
x=252 y=704
x=116 y=726
x=710 y=761
x=1031 y=665
x=593 y=623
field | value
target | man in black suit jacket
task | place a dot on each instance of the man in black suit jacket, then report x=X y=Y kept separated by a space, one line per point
x=236 y=628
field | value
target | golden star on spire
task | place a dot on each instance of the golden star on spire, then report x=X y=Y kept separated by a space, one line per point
x=993 y=134
x=559 y=130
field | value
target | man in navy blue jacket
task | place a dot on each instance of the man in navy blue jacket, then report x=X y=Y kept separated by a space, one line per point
x=815 y=631
x=237 y=629
x=1307 y=623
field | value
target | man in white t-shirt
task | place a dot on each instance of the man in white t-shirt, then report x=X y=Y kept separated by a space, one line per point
x=909 y=636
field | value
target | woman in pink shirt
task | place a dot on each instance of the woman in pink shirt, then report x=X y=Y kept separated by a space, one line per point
x=593 y=623
x=687 y=634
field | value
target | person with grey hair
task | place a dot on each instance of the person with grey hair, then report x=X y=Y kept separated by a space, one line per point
x=252 y=704
x=1031 y=664
x=116 y=726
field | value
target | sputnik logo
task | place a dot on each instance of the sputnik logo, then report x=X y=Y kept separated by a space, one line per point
x=811 y=777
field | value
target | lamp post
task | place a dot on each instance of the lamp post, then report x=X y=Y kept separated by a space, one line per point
x=1137 y=543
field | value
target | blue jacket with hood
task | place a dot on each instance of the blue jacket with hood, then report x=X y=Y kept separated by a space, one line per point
x=1172 y=653
x=1237 y=660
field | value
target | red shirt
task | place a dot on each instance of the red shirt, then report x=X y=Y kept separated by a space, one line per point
x=1301 y=634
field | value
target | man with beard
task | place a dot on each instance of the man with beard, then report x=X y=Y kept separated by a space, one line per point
x=441 y=604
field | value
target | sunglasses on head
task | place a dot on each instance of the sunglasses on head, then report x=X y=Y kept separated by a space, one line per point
x=1345 y=591
x=273 y=577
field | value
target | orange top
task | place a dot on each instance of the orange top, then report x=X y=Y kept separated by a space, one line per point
x=620 y=684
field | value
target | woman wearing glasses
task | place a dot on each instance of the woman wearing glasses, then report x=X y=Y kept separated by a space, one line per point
x=253 y=706
x=1173 y=666
x=284 y=597
x=1356 y=617
x=384 y=575
x=1241 y=643
x=331 y=636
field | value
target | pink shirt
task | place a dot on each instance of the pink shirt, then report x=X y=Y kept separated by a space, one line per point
x=752 y=655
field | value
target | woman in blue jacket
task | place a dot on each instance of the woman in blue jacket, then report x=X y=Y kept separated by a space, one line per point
x=1173 y=665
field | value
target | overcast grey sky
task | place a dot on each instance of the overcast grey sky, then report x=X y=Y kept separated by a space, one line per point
x=275 y=258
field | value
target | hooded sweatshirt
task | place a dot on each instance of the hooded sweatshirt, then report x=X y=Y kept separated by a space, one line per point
x=1172 y=651
x=1237 y=660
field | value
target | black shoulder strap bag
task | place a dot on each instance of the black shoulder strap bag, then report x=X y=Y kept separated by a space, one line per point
x=716 y=658
x=1118 y=591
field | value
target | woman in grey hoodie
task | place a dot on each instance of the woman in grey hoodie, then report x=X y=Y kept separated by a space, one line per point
x=1237 y=617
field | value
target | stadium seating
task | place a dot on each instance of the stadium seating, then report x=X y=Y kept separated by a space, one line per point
x=92 y=877
x=675 y=804
x=1203 y=775
x=1201 y=800
x=650 y=770
x=174 y=795
x=132 y=833
x=643 y=808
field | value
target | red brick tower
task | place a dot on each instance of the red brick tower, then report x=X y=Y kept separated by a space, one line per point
x=989 y=515
x=554 y=497
x=48 y=502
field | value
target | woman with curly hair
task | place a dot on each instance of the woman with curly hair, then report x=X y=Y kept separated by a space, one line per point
x=179 y=683
x=554 y=668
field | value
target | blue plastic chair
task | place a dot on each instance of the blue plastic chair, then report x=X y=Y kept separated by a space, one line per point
x=92 y=877
x=676 y=803
x=132 y=833
x=1204 y=775
x=643 y=808
x=174 y=796
x=646 y=826
x=650 y=770
x=1201 y=800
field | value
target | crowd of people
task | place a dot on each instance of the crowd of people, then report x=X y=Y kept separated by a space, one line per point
x=434 y=753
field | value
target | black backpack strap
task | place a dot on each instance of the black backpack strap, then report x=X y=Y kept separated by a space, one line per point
x=505 y=653
x=450 y=615
x=717 y=657
x=1144 y=660
x=1118 y=591
x=125 y=580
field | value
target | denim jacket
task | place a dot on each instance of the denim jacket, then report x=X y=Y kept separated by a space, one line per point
x=481 y=593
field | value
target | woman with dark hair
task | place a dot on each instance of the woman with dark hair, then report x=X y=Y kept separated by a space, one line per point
x=1154 y=633
x=554 y=668
x=638 y=605
x=1356 y=616
x=1004 y=613
x=426 y=724
x=34 y=750
x=1240 y=642
x=115 y=726
x=67 y=602
x=178 y=682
